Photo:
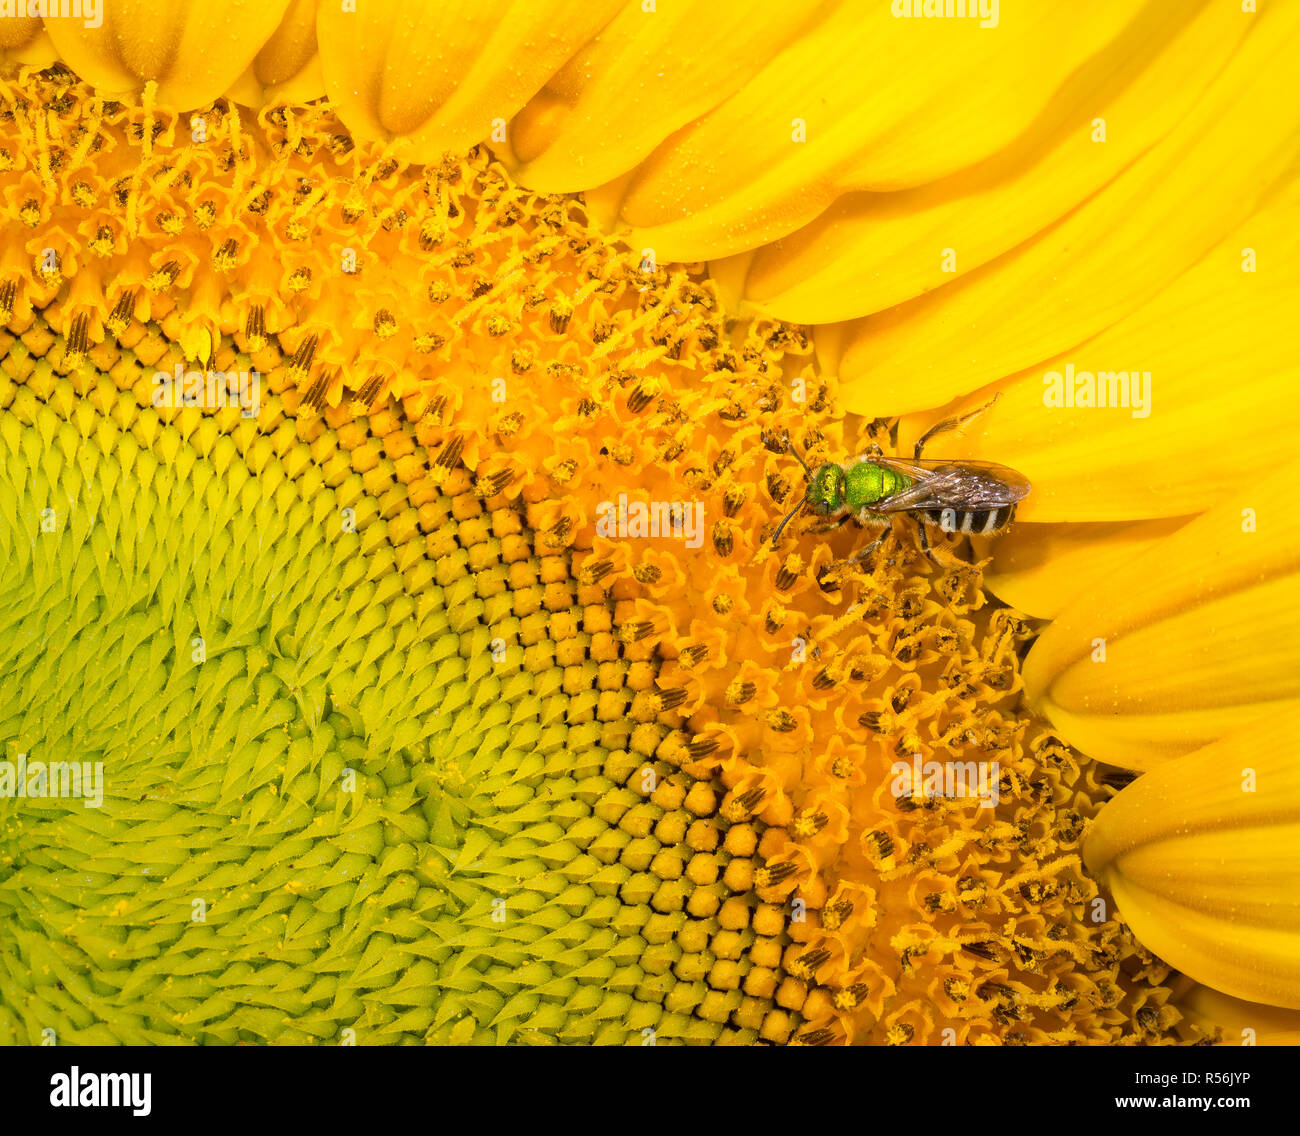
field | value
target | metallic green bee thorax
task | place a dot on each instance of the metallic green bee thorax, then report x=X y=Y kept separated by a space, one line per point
x=858 y=486
x=865 y=484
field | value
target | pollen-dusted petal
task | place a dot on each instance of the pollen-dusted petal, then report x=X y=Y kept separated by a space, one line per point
x=194 y=50
x=1202 y=857
x=1184 y=642
x=288 y=65
x=19 y=34
x=632 y=86
x=816 y=123
x=822 y=273
x=1118 y=247
x=1213 y=1015
x=446 y=77
x=1128 y=443
x=1040 y=568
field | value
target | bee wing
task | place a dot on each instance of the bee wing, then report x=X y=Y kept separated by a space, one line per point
x=939 y=484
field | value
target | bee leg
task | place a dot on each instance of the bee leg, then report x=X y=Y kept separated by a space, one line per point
x=881 y=427
x=952 y=424
x=848 y=562
x=926 y=546
x=856 y=556
x=876 y=425
x=863 y=553
x=832 y=526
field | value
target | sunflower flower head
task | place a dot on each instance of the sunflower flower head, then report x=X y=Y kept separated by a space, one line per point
x=401 y=554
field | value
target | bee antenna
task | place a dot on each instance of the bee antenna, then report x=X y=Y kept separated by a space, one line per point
x=798 y=458
x=788 y=518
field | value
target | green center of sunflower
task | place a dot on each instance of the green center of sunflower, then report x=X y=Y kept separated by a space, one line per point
x=343 y=785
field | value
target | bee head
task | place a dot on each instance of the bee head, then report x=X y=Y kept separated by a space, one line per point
x=824 y=495
x=826 y=489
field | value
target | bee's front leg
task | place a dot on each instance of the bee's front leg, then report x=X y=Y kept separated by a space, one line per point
x=873 y=524
x=832 y=525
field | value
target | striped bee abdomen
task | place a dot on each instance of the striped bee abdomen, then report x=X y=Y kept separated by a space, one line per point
x=975 y=522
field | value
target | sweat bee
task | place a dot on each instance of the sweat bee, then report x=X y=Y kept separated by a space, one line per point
x=976 y=498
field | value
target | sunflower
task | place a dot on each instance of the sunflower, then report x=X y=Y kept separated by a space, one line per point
x=396 y=410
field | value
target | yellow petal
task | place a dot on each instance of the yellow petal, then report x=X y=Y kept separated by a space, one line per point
x=1184 y=642
x=1139 y=461
x=288 y=66
x=18 y=32
x=447 y=76
x=829 y=270
x=1038 y=569
x=31 y=49
x=1202 y=858
x=1108 y=256
x=1241 y=1023
x=634 y=85
x=880 y=103
x=194 y=50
